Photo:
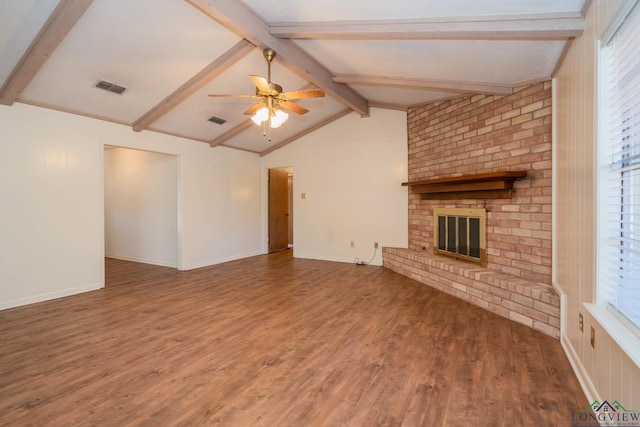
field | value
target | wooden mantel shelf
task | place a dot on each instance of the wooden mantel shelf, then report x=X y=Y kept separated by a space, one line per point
x=492 y=185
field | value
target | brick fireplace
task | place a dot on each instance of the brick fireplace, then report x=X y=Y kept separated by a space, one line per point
x=479 y=135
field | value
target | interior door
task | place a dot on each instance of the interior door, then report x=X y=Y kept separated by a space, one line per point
x=278 y=210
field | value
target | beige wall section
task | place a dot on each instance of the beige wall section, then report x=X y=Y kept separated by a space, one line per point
x=605 y=372
x=51 y=201
x=351 y=173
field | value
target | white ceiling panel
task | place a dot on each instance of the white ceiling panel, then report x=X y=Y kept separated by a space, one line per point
x=400 y=97
x=493 y=61
x=20 y=22
x=150 y=47
x=187 y=49
x=341 y=10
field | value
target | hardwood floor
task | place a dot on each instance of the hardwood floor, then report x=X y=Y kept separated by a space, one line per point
x=271 y=341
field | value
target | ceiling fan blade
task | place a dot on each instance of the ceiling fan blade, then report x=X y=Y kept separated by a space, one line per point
x=255 y=107
x=261 y=83
x=234 y=96
x=293 y=107
x=304 y=94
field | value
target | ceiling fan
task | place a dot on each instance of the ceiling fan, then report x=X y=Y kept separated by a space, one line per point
x=268 y=110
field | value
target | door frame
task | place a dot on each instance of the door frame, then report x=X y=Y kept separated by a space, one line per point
x=179 y=195
x=279 y=181
x=265 y=206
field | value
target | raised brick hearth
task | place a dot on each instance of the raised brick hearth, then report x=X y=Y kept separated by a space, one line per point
x=475 y=135
x=536 y=305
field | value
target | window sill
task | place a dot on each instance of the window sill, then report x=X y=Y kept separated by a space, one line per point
x=624 y=338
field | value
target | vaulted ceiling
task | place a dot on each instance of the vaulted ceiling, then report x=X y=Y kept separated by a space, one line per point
x=170 y=54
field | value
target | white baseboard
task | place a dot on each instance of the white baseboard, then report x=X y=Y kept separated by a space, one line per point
x=576 y=364
x=578 y=368
x=49 y=296
x=141 y=260
x=335 y=259
x=220 y=260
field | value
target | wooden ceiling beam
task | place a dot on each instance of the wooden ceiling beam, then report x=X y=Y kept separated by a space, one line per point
x=214 y=69
x=231 y=133
x=543 y=26
x=424 y=84
x=306 y=132
x=61 y=21
x=389 y=106
x=242 y=21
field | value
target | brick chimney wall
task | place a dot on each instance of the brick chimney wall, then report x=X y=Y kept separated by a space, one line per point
x=487 y=133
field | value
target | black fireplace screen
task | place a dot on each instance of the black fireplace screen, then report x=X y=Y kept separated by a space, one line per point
x=460 y=233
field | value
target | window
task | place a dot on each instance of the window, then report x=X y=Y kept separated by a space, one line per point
x=619 y=170
x=460 y=234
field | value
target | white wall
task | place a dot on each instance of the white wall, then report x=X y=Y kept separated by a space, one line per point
x=50 y=209
x=141 y=206
x=351 y=172
x=51 y=201
x=606 y=372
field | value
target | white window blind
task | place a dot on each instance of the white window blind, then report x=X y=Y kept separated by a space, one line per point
x=619 y=177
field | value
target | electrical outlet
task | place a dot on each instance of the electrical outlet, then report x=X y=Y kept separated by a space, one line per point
x=580 y=322
x=593 y=337
x=375 y=245
x=352 y=244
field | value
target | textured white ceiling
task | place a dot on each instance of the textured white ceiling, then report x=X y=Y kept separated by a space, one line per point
x=20 y=22
x=495 y=61
x=401 y=97
x=152 y=47
x=347 y=10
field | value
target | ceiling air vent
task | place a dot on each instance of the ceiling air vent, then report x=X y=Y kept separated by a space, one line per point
x=217 y=120
x=111 y=87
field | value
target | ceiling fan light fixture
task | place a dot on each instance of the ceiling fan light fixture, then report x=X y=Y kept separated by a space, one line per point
x=267 y=111
x=260 y=116
x=278 y=118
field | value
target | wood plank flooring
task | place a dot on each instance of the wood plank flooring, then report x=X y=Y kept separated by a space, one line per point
x=275 y=341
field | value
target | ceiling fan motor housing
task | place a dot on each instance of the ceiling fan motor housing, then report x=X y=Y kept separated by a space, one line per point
x=269 y=54
x=275 y=87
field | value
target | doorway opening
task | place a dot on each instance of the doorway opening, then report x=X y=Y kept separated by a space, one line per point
x=141 y=206
x=280 y=209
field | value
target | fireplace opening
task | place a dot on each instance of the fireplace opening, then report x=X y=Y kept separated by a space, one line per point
x=460 y=233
